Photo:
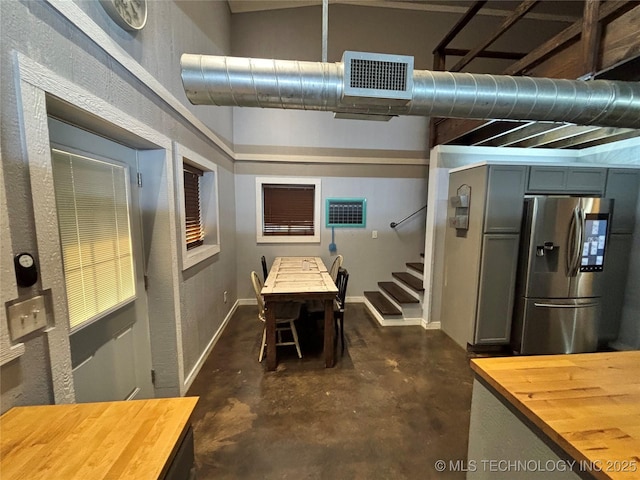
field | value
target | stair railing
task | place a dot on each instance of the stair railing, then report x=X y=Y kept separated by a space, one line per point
x=395 y=224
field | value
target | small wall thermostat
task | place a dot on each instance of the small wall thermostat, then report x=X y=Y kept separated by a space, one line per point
x=26 y=272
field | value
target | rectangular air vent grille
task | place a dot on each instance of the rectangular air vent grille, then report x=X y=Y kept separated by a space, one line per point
x=377 y=79
x=378 y=75
x=346 y=212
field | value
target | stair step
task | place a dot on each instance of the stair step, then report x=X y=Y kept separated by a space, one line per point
x=397 y=292
x=417 y=266
x=381 y=303
x=410 y=280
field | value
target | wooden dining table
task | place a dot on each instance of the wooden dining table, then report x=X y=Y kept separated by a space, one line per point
x=299 y=279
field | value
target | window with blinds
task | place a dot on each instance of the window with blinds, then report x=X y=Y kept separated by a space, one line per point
x=288 y=209
x=93 y=218
x=193 y=220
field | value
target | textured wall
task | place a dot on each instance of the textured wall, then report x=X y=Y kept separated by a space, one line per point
x=36 y=30
x=203 y=285
x=391 y=192
x=496 y=434
x=626 y=153
x=629 y=336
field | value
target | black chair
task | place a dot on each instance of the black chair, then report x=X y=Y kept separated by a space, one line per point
x=265 y=270
x=338 y=306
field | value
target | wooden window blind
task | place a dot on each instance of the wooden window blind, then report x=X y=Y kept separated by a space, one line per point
x=93 y=219
x=194 y=230
x=288 y=209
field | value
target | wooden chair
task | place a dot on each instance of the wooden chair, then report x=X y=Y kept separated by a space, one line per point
x=337 y=263
x=315 y=307
x=342 y=280
x=286 y=314
x=265 y=270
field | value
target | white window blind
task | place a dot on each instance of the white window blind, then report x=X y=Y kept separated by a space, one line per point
x=93 y=218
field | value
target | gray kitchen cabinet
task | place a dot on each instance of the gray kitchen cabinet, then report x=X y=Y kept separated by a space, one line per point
x=480 y=268
x=480 y=263
x=623 y=185
x=586 y=180
x=505 y=189
x=462 y=259
x=554 y=180
x=615 y=278
x=546 y=179
x=497 y=288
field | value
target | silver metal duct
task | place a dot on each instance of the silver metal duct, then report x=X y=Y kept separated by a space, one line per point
x=250 y=82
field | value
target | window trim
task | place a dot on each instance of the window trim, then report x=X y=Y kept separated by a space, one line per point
x=209 y=206
x=315 y=238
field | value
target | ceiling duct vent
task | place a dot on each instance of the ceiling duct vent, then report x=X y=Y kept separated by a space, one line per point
x=377 y=79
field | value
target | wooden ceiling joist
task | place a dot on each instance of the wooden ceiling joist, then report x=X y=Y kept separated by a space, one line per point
x=508 y=22
x=605 y=40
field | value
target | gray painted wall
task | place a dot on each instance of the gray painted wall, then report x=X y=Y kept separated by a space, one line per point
x=35 y=29
x=496 y=434
x=296 y=34
x=629 y=336
x=391 y=192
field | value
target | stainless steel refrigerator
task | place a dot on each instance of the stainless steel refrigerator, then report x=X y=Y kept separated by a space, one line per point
x=559 y=282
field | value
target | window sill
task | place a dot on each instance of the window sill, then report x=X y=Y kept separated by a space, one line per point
x=288 y=239
x=196 y=255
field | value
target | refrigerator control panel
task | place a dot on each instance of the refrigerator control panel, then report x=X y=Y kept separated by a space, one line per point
x=594 y=240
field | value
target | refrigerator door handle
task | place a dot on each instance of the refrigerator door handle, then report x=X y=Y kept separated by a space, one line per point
x=564 y=305
x=574 y=241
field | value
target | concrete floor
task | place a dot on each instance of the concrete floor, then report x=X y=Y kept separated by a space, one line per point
x=397 y=401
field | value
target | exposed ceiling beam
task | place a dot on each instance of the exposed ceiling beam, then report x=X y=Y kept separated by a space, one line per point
x=564 y=132
x=595 y=137
x=508 y=22
x=523 y=133
x=247 y=6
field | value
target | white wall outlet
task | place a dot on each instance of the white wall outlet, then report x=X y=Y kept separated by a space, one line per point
x=224 y=296
x=374 y=233
x=26 y=317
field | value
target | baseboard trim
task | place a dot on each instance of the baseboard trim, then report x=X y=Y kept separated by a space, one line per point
x=247 y=301
x=216 y=336
x=431 y=325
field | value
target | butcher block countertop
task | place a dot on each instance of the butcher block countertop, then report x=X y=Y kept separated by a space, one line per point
x=588 y=404
x=125 y=440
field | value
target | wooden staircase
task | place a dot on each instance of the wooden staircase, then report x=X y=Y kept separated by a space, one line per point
x=398 y=302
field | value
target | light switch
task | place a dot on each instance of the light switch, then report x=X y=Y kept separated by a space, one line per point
x=27 y=316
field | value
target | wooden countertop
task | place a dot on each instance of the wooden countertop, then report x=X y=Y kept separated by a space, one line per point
x=588 y=404
x=125 y=440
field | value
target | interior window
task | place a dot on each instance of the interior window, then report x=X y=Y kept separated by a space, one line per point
x=288 y=210
x=197 y=177
x=92 y=201
x=193 y=220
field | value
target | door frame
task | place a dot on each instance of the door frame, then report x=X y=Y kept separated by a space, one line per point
x=42 y=92
x=113 y=324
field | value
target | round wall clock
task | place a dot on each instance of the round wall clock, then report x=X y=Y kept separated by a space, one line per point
x=129 y=14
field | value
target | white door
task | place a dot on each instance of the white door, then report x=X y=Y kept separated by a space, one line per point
x=111 y=353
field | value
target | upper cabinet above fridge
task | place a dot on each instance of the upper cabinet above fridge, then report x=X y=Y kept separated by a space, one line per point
x=623 y=185
x=569 y=180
